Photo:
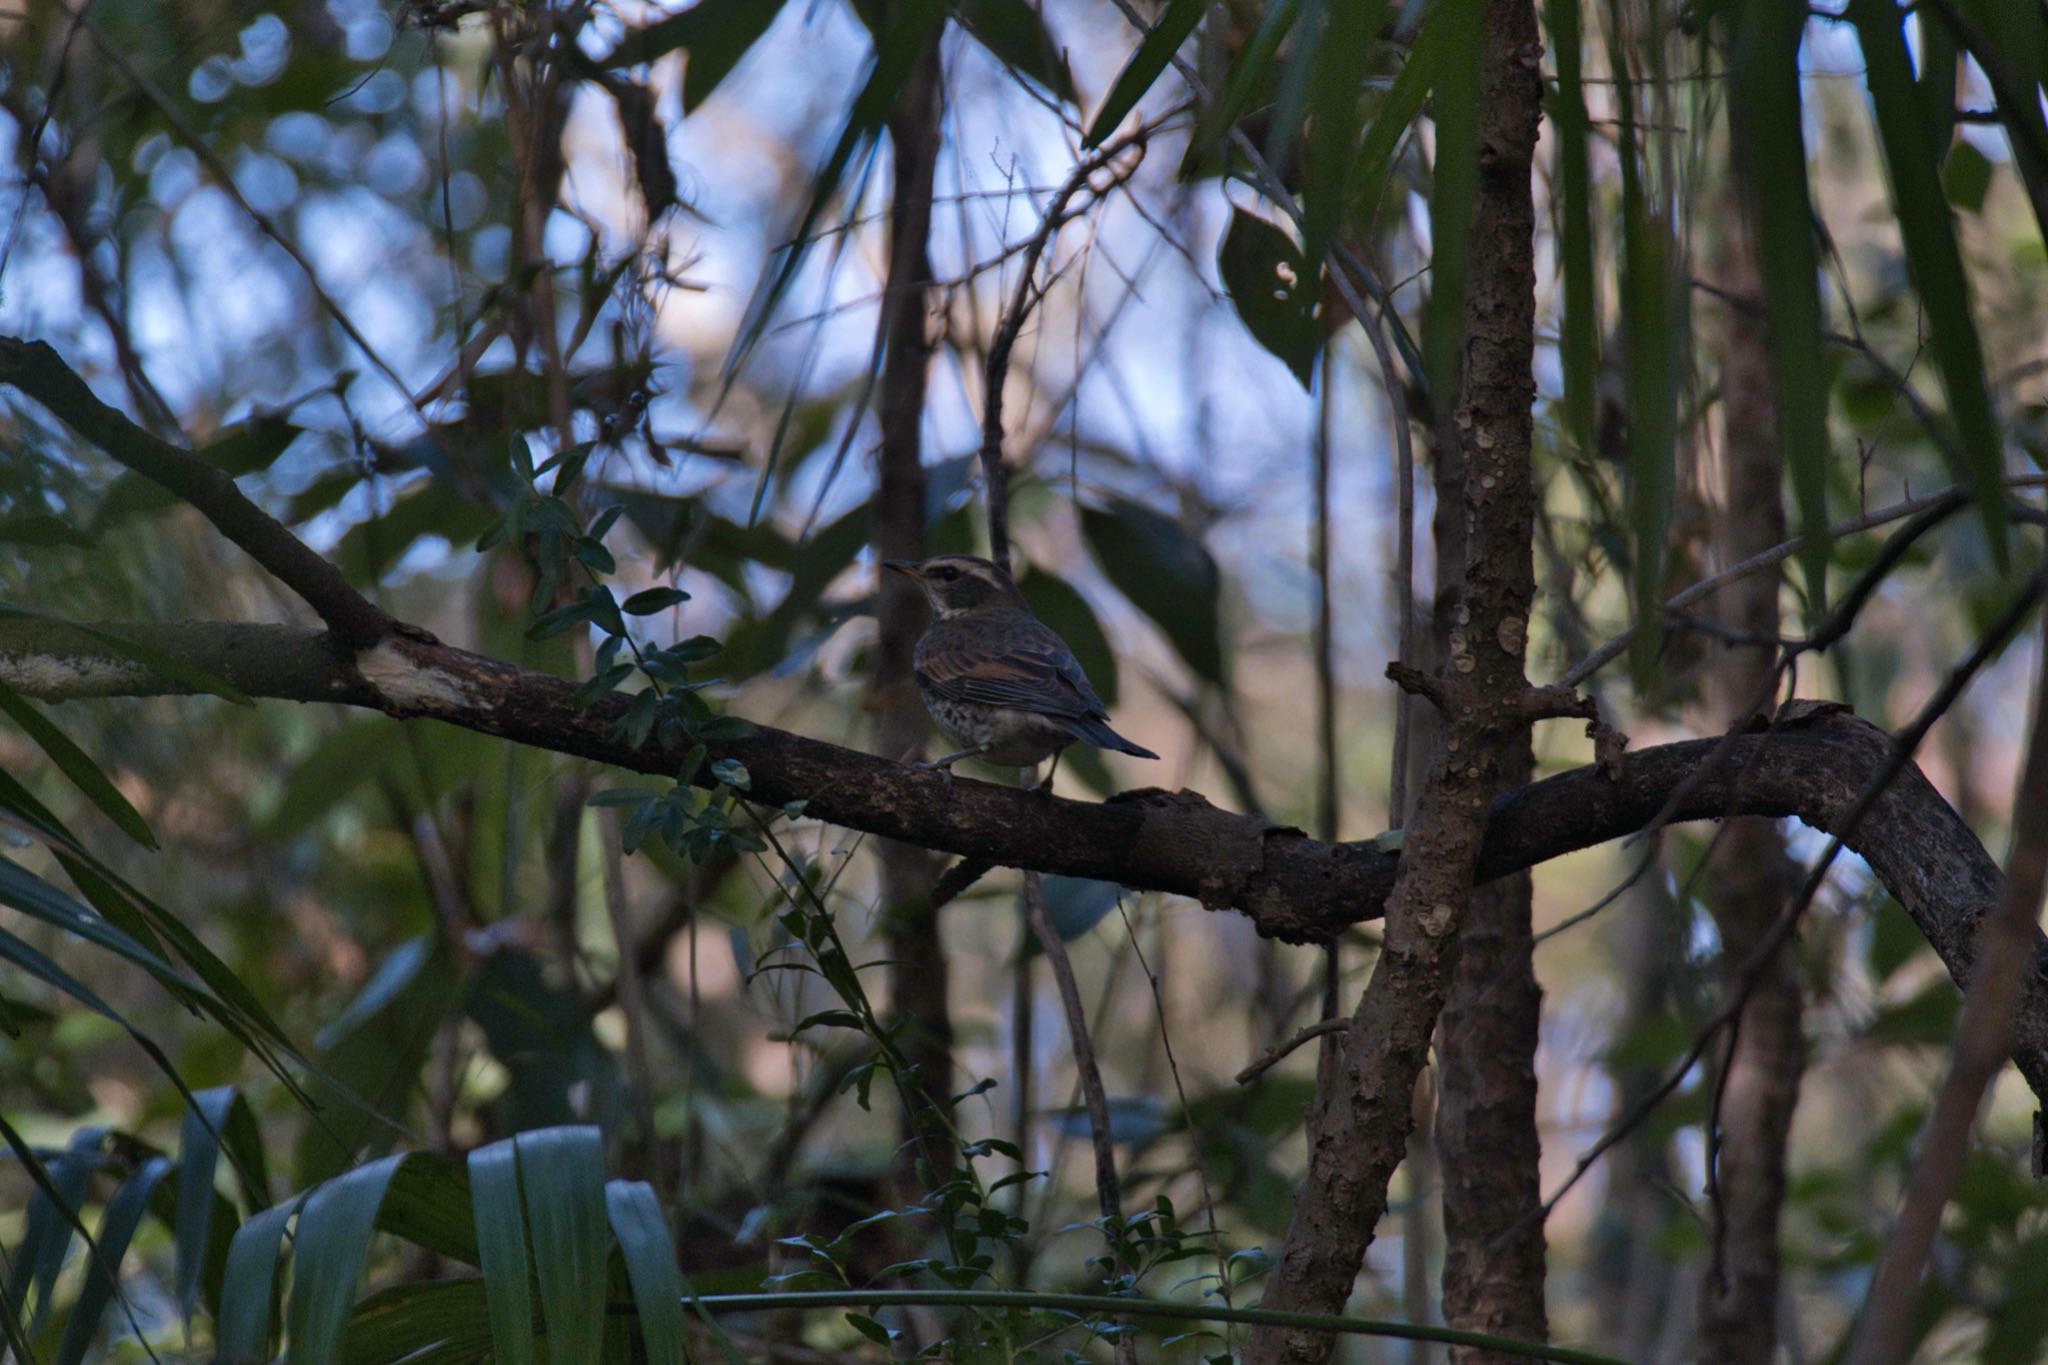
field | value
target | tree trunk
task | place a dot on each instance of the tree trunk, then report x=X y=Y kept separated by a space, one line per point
x=917 y=966
x=1752 y=874
x=1364 y=1113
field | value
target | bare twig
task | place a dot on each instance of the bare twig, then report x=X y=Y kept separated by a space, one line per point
x=1108 y=1192
x=1279 y=1052
x=1027 y=293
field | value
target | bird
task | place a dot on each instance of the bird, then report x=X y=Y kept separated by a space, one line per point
x=997 y=680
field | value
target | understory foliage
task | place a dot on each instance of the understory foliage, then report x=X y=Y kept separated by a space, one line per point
x=557 y=327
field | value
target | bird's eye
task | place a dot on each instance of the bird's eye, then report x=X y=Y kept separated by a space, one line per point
x=945 y=575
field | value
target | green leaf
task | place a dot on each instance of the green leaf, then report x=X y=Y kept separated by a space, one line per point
x=1653 y=304
x=116 y=1230
x=1579 y=347
x=650 y=1256
x=1454 y=187
x=433 y=1323
x=1966 y=177
x=328 y=1251
x=1345 y=30
x=562 y=1173
x=1249 y=73
x=1167 y=573
x=77 y=765
x=716 y=33
x=501 y=1245
x=1155 y=50
x=61 y=1186
x=1263 y=272
x=243 y=1331
x=651 y=600
x=1928 y=230
x=1015 y=35
x=210 y=1116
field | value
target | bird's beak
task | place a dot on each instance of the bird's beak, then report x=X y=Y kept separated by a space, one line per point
x=907 y=567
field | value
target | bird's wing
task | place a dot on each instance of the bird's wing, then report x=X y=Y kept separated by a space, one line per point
x=1030 y=669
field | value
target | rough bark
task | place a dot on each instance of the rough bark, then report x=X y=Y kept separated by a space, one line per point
x=1487 y=1147
x=1812 y=764
x=1360 y=1125
x=1752 y=874
x=918 y=976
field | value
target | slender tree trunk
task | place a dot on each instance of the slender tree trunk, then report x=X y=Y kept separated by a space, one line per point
x=917 y=966
x=1486 y=1141
x=1359 y=1126
x=1752 y=874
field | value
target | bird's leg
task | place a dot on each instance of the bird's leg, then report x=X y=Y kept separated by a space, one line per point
x=1045 y=787
x=945 y=764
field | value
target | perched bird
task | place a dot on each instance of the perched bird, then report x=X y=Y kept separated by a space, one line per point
x=997 y=680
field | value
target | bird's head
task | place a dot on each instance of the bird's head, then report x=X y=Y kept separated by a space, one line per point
x=954 y=584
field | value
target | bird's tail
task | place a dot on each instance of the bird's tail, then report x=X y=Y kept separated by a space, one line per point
x=1096 y=732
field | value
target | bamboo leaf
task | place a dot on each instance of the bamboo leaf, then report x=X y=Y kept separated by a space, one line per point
x=1155 y=50
x=1651 y=305
x=650 y=1267
x=117 y=1229
x=77 y=765
x=1579 y=350
x=561 y=1171
x=61 y=1184
x=502 y=1251
x=435 y=1323
x=250 y=1288
x=328 y=1250
x=1927 y=228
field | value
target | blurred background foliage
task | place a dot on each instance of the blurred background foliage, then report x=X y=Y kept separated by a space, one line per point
x=356 y=252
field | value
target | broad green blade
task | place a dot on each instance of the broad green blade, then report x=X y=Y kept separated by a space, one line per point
x=117 y=1229
x=198 y=1154
x=77 y=765
x=561 y=1171
x=651 y=1267
x=436 y=1323
x=328 y=1252
x=501 y=1248
x=250 y=1289
x=1936 y=264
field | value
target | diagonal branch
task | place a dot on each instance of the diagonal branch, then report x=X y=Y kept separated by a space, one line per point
x=39 y=372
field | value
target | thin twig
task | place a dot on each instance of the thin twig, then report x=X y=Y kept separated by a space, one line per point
x=1027 y=292
x=1277 y=1053
x=1108 y=1193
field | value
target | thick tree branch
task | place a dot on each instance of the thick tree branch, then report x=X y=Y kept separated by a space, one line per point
x=39 y=372
x=1811 y=765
